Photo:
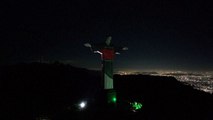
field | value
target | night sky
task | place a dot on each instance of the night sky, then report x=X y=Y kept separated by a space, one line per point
x=160 y=34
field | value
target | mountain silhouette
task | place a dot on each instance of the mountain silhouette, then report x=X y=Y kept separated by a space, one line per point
x=33 y=90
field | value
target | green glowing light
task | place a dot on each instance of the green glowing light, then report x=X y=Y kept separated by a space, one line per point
x=136 y=105
x=111 y=96
x=114 y=99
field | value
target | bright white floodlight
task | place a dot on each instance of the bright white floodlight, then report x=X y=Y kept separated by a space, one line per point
x=82 y=105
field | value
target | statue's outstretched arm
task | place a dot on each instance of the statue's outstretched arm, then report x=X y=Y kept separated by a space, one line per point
x=93 y=48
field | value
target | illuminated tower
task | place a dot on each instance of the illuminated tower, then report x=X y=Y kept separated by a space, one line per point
x=107 y=52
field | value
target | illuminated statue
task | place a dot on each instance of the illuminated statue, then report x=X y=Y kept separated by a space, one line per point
x=107 y=51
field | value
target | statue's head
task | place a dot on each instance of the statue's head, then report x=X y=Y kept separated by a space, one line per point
x=108 y=40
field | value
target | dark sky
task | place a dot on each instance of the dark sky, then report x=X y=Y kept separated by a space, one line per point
x=160 y=34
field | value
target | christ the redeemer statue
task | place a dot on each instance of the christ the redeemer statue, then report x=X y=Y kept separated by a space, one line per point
x=107 y=51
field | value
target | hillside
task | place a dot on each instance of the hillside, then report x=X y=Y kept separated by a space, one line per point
x=39 y=89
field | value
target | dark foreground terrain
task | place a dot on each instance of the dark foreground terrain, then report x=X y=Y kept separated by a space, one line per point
x=39 y=91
